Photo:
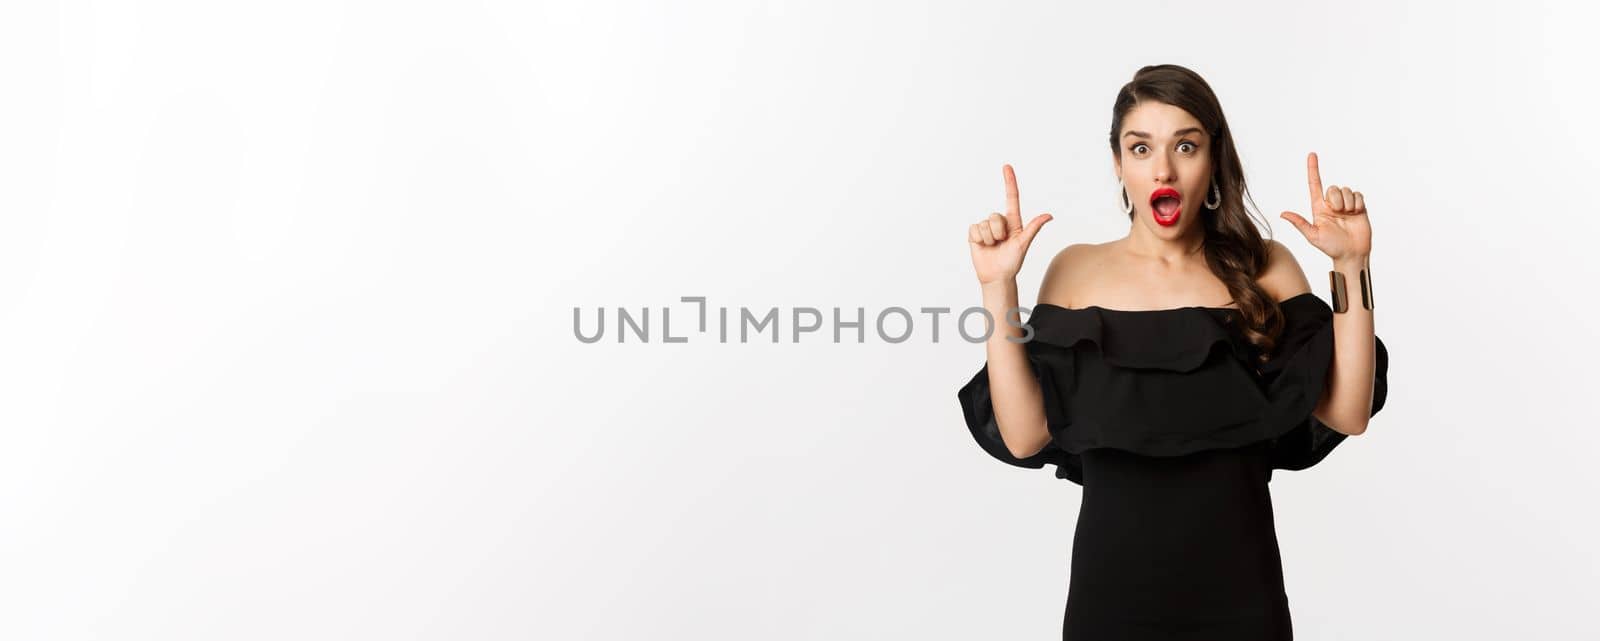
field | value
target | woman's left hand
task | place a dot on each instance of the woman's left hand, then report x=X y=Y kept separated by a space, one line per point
x=1339 y=224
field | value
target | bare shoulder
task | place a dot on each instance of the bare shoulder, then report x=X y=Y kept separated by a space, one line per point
x=1067 y=272
x=1283 y=278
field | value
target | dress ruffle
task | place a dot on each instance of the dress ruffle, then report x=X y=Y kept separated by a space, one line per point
x=1172 y=382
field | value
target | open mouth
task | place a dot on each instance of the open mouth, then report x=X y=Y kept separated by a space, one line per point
x=1165 y=206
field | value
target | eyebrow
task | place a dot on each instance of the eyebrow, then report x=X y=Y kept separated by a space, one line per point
x=1175 y=134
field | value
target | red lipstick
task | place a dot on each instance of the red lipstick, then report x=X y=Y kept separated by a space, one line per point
x=1165 y=206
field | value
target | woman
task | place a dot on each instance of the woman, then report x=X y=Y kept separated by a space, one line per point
x=1170 y=371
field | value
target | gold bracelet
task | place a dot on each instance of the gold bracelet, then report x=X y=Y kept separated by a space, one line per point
x=1341 y=298
x=1366 y=289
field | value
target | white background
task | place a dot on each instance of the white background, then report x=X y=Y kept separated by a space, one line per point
x=287 y=292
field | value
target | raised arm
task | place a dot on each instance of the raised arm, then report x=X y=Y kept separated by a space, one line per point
x=998 y=244
x=1013 y=387
x=1341 y=229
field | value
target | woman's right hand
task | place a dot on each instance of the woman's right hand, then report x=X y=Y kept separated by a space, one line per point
x=999 y=242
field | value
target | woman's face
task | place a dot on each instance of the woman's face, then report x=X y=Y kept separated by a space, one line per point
x=1164 y=150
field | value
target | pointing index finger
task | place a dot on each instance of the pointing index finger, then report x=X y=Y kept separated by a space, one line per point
x=1314 y=177
x=1013 y=199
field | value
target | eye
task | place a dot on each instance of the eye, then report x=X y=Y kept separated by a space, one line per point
x=1136 y=146
x=1191 y=145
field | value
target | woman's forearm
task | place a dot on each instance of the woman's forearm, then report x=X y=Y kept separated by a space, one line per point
x=1347 y=404
x=1013 y=387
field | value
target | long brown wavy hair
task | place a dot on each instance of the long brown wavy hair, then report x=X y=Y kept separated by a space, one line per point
x=1235 y=250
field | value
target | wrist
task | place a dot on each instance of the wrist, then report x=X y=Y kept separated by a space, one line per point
x=1350 y=283
x=999 y=287
x=1352 y=262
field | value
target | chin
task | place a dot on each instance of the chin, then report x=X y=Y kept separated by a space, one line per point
x=1163 y=231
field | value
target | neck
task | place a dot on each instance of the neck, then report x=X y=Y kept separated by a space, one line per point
x=1145 y=244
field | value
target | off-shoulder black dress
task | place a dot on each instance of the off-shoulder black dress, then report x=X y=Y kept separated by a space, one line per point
x=1173 y=430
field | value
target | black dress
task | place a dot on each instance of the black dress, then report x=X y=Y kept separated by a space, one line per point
x=1173 y=431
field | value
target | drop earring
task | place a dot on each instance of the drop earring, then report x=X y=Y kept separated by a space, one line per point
x=1127 y=203
x=1216 y=194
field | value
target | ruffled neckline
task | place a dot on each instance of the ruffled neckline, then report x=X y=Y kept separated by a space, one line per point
x=1097 y=308
x=1178 y=339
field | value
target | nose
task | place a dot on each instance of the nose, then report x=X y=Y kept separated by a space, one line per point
x=1163 y=169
